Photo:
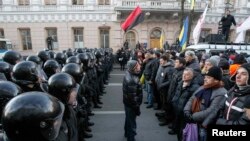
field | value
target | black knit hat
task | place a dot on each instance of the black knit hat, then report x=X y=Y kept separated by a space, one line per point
x=245 y=66
x=247 y=103
x=215 y=72
x=131 y=64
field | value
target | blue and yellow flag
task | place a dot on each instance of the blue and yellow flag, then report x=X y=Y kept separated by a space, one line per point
x=184 y=34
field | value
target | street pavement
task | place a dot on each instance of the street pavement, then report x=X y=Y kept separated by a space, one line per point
x=109 y=120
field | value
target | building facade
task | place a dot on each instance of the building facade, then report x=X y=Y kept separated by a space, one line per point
x=96 y=23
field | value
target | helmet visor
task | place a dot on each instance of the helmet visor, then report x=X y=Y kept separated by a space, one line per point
x=51 y=127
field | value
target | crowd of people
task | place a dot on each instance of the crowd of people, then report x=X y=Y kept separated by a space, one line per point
x=188 y=87
x=50 y=96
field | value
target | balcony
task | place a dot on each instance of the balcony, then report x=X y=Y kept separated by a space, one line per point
x=55 y=8
x=125 y=5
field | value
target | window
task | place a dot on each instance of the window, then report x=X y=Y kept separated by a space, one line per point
x=103 y=2
x=130 y=37
x=78 y=37
x=52 y=32
x=26 y=39
x=77 y=2
x=23 y=2
x=50 y=2
x=247 y=38
x=1 y=33
x=104 y=38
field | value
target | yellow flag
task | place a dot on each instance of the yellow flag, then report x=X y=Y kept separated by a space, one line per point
x=192 y=4
x=162 y=40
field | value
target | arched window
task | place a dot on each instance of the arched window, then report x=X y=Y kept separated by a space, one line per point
x=130 y=37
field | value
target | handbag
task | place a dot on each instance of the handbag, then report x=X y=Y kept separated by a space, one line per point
x=196 y=105
x=190 y=132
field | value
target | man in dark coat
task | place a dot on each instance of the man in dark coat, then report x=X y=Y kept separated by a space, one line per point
x=227 y=21
x=132 y=98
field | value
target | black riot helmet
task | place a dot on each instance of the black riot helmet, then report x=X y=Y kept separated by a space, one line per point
x=84 y=57
x=32 y=116
x=44 y=55
x=69 y=53
x=51 y=54
x=60 y=58
x=25 y=73
x=51 y=67
x=92 y=59
x=35 y=59
x=74 y=70
x=61 y=85
x=73 y=59
x=12 y=57
x=8 y=90
x=98 y=54
x=80 y=50
x=6 y=69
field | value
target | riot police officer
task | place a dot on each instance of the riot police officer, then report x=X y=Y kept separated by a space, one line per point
x=37 y=60
x=64 y=87
x=81 y=109
x=8 y=90
x=6 y=69
x=32 y=116
x=12 y=57
x=51 y=67
x=44 y=56
x=26 y=75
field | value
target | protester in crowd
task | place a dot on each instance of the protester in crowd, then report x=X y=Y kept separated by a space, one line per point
x=183 y=92
x=205 y=101
x=238 y=60
x=232 y=107
x=132 y=98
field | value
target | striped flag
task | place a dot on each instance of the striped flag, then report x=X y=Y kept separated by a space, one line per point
x=197 y=29
x=183 y=35
x=134 y=18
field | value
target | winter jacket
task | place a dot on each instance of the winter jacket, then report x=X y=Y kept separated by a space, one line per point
x=132 y=91
x=231 y=108
x=176 y=78
x=163 y=77
x=216 y=97
x=182 y=95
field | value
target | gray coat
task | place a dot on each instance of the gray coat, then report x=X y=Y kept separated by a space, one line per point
x=216 y=97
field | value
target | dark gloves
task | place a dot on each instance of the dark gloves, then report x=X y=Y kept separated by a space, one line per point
x=188 y=117
x=137 y=111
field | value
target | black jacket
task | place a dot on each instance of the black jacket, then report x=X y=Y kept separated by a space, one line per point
x=228 y=20
x=182 y=95
x=132 y=91
x=234 y=114
x=176 y=77
x=149 y=70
